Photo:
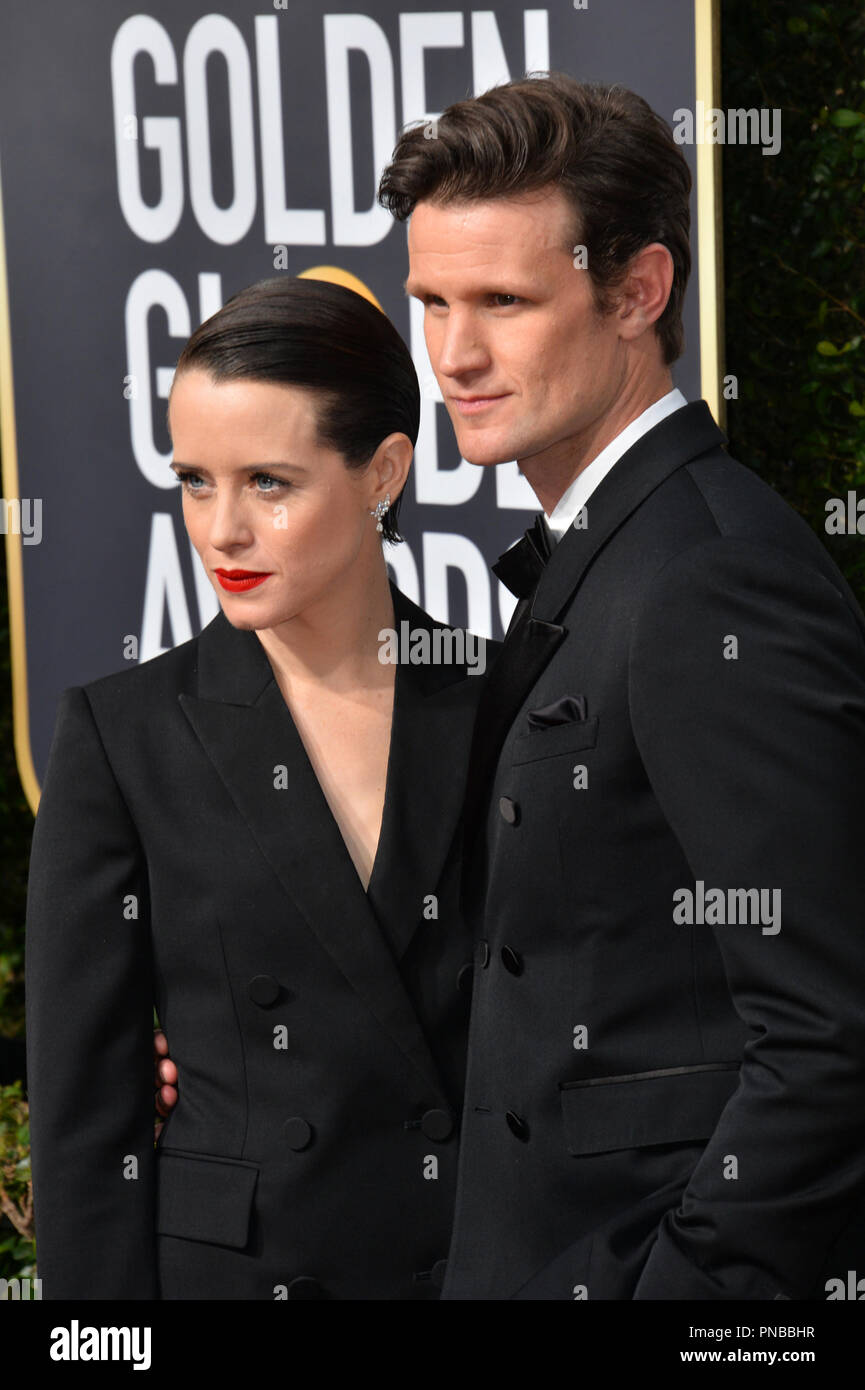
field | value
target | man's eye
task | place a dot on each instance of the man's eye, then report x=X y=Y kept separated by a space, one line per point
x=511 y=298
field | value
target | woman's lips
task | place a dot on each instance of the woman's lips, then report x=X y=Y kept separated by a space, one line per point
x=237 y=581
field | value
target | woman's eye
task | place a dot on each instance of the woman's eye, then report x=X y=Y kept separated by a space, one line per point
x=187 y=480
x=513 y=299
x=268 y=478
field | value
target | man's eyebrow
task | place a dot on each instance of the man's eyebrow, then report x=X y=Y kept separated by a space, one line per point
x=419 y=291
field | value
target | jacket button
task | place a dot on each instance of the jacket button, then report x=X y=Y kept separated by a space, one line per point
x=484 y=952
x=264 y=990
x=464 y=978
x=517 y=1125
x=510 y=810
x=512 y=960
x=297 y=1133
x=304 y=1287
x=438 y=1272
x=437 y=1125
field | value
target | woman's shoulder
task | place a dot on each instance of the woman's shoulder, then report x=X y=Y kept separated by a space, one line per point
x=159 y=678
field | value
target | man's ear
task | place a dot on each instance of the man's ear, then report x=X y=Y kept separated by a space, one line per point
x=645 y=290
x=388 y=467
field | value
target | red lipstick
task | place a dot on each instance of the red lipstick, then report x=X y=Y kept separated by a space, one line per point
x=238 y=581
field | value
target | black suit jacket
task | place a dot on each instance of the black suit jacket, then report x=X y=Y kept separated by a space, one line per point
x=658 y=1109
x=184 y=856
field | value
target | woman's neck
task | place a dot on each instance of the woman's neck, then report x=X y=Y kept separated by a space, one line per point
x=334 y=642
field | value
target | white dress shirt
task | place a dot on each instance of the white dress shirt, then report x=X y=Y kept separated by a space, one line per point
x=571 y=503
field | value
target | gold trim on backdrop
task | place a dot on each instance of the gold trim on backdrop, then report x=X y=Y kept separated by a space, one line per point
x=710 y=265
x=14 y=555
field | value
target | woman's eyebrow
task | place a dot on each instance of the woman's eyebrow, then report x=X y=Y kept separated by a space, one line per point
x=247 y=467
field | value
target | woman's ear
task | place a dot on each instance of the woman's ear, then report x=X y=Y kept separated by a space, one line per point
x=388 y=468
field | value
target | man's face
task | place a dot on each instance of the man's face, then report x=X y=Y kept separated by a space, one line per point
x=527 y=367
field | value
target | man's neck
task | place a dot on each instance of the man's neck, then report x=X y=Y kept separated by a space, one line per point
x=550 y=473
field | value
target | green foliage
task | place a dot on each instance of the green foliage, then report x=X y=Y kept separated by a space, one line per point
x=16 y=828
x=794 y=238
x=17 y=1247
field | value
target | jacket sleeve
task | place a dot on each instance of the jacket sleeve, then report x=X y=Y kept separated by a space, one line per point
x=89 y=1026
x=747 y=694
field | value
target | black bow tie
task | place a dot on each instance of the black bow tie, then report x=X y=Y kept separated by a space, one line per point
x=521 y=567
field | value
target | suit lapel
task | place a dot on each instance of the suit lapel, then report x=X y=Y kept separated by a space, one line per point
x=244 y=725
x=534 y=633
x=426 y=781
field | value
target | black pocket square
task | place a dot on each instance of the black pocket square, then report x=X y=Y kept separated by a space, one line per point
x=568 y=709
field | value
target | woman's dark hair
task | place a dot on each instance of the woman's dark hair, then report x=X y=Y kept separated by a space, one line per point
x=614 y=159
x=329 y=340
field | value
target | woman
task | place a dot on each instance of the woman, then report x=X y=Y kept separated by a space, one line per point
x=257 y=834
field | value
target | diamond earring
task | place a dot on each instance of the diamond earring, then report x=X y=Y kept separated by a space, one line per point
x=379 y=511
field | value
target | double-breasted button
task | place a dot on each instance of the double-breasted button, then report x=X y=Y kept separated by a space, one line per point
x=438 y=1272
x=484 y=953
x=517 y=1125
x=512 y=960
x=297 y=1133
x=264 y=990
x=465 y=974
x=304 y=1286
x=510 y=810
x=437 y=1125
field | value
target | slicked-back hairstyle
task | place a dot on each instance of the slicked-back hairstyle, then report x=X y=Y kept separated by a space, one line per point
x=332 y=342
x=601 y=144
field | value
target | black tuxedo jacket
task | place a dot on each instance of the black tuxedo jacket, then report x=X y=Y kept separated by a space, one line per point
x=184 y=856
x=659 y=1108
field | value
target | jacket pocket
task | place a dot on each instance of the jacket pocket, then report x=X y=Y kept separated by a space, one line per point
x=204 y=1197
x=669 y=1106
x=559 y=738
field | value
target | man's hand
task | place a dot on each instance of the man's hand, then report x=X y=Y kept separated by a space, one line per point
x=165 y=1078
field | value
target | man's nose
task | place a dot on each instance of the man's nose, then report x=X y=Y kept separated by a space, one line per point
x=461 y=347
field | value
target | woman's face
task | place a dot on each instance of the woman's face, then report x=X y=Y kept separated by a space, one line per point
x=280 y=524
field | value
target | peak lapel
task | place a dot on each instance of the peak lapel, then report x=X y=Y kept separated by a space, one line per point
x=434 y=708
x=535 y=633
x=245 y=727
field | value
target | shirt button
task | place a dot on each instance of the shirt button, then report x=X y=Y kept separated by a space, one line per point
x=512 y=960
x=304 y=1287
x=438 y=1272
x=263 y=990
x=297 y=1133
x=517 y=1125
x=484 y=952
x=437 y=1125
x=465 y=976
x=510 y=810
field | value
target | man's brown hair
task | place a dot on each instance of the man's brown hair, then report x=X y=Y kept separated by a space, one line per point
x=602 y=145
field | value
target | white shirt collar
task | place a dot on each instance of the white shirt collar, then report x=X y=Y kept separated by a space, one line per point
x=571 y=503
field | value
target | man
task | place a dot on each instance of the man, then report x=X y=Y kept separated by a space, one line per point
x=666 y=1071
x=666 y=1077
